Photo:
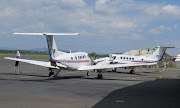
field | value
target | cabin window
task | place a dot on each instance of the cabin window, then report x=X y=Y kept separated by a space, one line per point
x=142 y=59
x=76 y=57
x=129 y=58
x=124 y=58
x=71 y=58
x=121 y=57
x=132 y=58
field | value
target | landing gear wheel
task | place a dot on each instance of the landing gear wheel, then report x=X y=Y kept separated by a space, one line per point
x=114 y=69
x=99 y=76
x=132 y=71
x=51 y=73
x=88 y=73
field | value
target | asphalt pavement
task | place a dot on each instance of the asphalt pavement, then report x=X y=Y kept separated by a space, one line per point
x=147 y=88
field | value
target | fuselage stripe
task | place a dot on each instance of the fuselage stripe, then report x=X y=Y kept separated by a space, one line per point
x=143 y=61
x=77 y=61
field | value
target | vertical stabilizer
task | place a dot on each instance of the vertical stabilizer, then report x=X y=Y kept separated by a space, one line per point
x=53 y=51
x=159 y=53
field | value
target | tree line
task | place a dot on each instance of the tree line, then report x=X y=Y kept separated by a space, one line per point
x=24 y=52
x=93 y=54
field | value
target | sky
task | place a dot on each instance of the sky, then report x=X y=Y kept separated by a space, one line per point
x=105 y=26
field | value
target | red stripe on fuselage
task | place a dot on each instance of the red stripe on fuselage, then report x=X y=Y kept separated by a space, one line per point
x=71 y=61
x=77 y=61
x=142 y=61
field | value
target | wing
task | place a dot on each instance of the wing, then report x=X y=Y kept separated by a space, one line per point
x=106 y=65
x=35 y=62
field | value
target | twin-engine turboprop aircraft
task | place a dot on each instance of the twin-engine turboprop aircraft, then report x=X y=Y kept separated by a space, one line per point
x=72 y=61
x=126 y=59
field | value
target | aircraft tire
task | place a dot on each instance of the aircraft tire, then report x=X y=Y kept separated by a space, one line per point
x=51 y=73
x=88 y=73
x=114 y=69
x=99 y=76
x=132 y=71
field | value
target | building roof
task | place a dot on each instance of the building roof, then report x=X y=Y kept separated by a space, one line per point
x=136 y=52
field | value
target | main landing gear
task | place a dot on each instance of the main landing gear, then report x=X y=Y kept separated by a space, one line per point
x=132 y=71
x=99 y=76
x=54 y=72
x=87 y=73
x=51 y=73
x=114 y=69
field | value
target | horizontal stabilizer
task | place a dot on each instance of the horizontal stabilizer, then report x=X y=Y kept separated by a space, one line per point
x=165 y=47
x=46 y=34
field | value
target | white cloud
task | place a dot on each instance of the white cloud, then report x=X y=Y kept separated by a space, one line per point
x=176 y=26
x=73 y=3
x=163 y=11
x=104 y=7
x=101 y=2
x=133 y=37
x=160 y=29
x=123 y=25
x=171 y=10
x=38 y=27
x=124 y=19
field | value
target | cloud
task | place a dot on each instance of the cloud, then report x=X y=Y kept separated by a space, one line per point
x=160 y=29
x=176 y=26
x=73 y=3
x=38 y=27
x=133 y=37
x=123 y=25
x=163 y=11
x=108 y=19
x=171 y=10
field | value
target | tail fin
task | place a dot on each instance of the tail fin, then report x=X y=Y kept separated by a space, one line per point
x=159 y=53
x=53 y=51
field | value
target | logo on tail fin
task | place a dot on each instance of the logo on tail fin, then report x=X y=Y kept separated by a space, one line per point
x=162 y=54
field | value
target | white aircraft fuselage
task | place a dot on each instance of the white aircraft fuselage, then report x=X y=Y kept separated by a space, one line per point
x=120 y=58
x=73 y=61
x=131 y=59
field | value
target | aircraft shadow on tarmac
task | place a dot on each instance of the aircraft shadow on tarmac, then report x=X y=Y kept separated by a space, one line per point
x=104 y=78
x=121 y=72
x=65 y=77
x=59 y=77
x=160 y=93
x=23 y=74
